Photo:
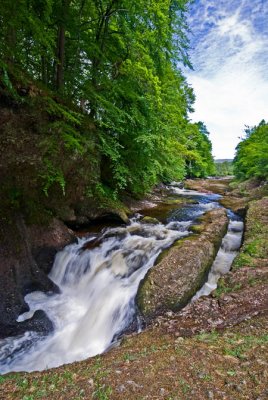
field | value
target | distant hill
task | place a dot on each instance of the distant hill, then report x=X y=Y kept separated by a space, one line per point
x=221 y=160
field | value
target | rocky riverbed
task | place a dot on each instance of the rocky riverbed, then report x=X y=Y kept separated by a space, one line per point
x=215 y=348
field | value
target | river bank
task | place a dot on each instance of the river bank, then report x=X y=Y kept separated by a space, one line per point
x=181 y=355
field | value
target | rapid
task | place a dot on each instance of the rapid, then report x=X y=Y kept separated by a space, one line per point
x=98 y=278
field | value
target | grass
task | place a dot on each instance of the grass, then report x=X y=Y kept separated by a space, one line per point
x=184 y=386
x=207 y=361
x=224 y=289
x=102 y=392
x=242 y=260
x=208 y=337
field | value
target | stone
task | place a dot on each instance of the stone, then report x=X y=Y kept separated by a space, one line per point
x=149 y=220
x=182 y=269
x=38 y=323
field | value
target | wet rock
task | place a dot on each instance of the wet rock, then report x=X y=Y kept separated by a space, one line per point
x=149 y=220
x=46 y=241
x=236 y=204
x=183 y=268
x=220 y=186
x=87 y=211
x=92 y=244
x=38 y=323
x=26 y=256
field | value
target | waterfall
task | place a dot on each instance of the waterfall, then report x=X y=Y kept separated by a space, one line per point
x=224 y=258
x=98 y=278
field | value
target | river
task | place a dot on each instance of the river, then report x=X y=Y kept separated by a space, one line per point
x=99 y=278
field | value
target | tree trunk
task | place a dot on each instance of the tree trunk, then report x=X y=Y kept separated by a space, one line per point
x=65 y=4
x=11 y=39
x=60 y=56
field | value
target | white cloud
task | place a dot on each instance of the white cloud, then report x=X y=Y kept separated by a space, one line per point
x=231 y=78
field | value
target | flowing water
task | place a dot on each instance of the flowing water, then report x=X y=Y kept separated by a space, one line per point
x=229 y=248
x=99 y=278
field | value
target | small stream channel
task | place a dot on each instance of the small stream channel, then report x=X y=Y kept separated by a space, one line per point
x=99 y=277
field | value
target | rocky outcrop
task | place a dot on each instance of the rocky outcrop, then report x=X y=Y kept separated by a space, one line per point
x=219 y=186
x=236 y=204
x=26 y=257
x=88 y=211
x=208 y=313
x=38 y=323
x=182 y=269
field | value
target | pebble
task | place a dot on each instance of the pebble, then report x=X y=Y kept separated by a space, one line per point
x=90 y=382
x=121 y=388
x=179 y=339
x=261 y=362
x=210 y=395
x=169 y=313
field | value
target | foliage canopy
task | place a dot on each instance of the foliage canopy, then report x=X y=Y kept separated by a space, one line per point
x=251 y=158
x=118 y=64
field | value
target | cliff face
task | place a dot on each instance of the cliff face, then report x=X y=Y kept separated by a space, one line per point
x=26 y=256
x=48 y=157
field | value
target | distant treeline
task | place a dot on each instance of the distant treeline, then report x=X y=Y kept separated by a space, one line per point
x=224 y=168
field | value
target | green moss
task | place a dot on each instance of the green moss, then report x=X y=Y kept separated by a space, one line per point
x=197 y=228
x=149 y=220
x=225 y=287
x=257 y=248
x=242 y=260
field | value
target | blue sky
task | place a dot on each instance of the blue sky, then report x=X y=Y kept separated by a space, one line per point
x=229 y=53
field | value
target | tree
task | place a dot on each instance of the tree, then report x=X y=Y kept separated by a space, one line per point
x=251 y=159
x=120 y=61
x=198 y=147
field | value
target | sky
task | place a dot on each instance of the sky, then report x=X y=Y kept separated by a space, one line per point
x=229 y=54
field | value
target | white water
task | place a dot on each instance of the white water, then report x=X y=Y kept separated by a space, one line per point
x=98 y=289
x=225 y=256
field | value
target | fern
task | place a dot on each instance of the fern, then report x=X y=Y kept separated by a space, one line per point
x=52 y=175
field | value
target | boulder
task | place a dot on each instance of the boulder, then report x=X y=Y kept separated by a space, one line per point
x=183 y=268
x=88 y=212
x=149 y=220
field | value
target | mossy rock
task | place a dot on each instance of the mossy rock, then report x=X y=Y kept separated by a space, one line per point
x=197 y=228
x=149 y=220
x=182 y=269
